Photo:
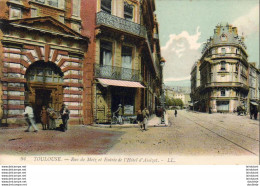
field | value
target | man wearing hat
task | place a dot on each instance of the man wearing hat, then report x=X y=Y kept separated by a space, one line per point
x=120 y=114
x=64 y=112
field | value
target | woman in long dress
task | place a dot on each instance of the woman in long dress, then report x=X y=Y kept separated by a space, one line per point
x=52 y=118
x=44 y=118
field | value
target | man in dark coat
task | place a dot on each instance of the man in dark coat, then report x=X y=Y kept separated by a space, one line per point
x=175 y=113
x=64 y=112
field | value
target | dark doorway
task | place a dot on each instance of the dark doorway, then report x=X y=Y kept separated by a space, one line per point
x=125 y=97
x=42 y=98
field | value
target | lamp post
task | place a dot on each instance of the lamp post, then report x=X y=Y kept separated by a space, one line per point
x=162 y=62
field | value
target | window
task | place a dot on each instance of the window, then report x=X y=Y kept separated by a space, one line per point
x=126 y=57
x=223 y=51
x=128 y=11
x=223 y=93
x=76 y=7
x=53 y=3
x=223 y=37
x=40 y=1
x=237 y=66
x=106 y=6
x=126 y=63
x=34 y=12
x=223 y=65
x=105 y=53
x=15 y=13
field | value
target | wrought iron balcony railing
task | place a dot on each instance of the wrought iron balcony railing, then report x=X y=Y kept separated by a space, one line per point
x=104 y=18
x=119 y=73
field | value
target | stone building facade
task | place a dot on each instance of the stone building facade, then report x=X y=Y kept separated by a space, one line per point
x=90 y=54
x=222 y=72
x=127 y=58
x=43 y=58
x=253 y=83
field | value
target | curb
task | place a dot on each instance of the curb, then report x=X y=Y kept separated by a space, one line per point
x=151 y=123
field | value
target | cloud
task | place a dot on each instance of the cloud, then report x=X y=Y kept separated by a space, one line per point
x=180 y=53
x=248 y=23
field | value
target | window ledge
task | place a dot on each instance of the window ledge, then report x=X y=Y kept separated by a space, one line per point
x=53 y=7
x=223 y=71
x=19 y=4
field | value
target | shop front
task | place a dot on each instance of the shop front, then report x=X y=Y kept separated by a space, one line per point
x=112 y=93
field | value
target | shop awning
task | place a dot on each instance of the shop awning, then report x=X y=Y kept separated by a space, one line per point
x=253 y=103
x=119 y=83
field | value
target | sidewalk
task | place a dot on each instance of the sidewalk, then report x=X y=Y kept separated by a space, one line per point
x=153 y=121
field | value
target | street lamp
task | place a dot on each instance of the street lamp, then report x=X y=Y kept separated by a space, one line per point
x=162 y=62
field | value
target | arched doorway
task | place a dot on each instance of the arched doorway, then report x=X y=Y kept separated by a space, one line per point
x=44 y=86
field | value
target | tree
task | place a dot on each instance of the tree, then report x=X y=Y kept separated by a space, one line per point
x=179 y=102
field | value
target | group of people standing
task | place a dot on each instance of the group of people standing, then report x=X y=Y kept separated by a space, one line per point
x=142 y=119
x=48 y=118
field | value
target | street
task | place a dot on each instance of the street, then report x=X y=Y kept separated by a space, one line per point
x=190 y=134
x=193 y=133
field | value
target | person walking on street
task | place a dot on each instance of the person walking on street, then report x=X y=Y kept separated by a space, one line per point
x=65 y=115
x=120 y=114
x=28 y=113
x=145 y=119
x=140 y=119
x=175 y=113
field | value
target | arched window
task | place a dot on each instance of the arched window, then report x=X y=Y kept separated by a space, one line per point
x=43 y=72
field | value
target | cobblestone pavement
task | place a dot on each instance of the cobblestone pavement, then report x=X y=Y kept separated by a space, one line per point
x=78 y=140
x=194 y=134
x=189 y=134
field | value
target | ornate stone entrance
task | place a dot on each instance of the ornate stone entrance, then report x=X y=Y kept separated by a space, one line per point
x=44 y=86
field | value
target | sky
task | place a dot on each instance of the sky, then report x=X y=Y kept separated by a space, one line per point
x=184 y=25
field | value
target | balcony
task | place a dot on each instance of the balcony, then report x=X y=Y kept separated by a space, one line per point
x=226 y=84
x=118 y=73
x=228 y=55
x=103 y=18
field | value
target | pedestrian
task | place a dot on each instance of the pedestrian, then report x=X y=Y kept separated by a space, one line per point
x=29 y=116
x=44 y=118
x=1 y=113
x=140 y=119
x=52 y=117
x=120 y=114
x=145 y=122
x=255 y=114
x=65 y=115
x=175 y=113
x=147 y=112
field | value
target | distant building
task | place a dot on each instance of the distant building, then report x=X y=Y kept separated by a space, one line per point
x=253 y=86
x=220 y=80
x=179 y=92
x=169 y=92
